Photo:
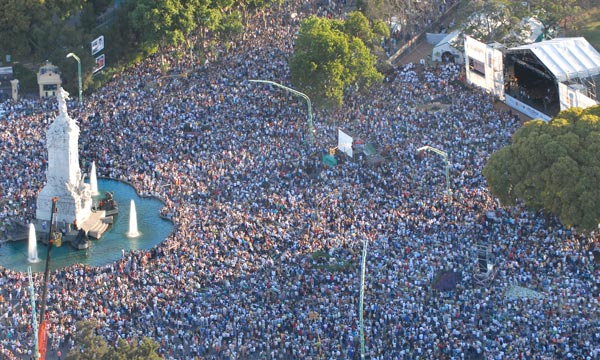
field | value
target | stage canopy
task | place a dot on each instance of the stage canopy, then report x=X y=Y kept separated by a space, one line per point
x=566 y=58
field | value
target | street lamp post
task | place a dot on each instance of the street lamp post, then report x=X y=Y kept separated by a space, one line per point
x=362 y=295
x=445 y=156
x=71 y=55
x=296 y=92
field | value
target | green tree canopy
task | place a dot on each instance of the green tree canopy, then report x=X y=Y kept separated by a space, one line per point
x=371 y=33
x=554 y=166
x=34 y=28
x=326 y=60
x=89 y=344
x=502 y=20
x=231 y=25
x=144 y=349
x=163 y=22
x=552 y=13
x=385 y=9
x=496 y=20
x=356 y=24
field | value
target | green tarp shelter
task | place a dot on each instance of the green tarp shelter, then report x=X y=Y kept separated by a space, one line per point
x=329 y=160
x=369 y=149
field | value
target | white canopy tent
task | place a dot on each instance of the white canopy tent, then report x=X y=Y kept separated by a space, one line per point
x=566 y=58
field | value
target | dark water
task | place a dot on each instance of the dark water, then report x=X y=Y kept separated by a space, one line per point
x=109 y=248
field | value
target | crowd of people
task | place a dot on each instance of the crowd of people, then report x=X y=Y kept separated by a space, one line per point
x=265 y=258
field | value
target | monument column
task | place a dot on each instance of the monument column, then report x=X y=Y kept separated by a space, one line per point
x=63 y=175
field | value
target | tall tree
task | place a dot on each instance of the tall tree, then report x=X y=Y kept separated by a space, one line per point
x=379 y=9
x=231 y=25
x=554 y=14
x=89 y=344
x=357 y=24
x=163 y=22
x=372 y=33
x=16 y=18
x=491 y=20
x=554 y=166
x=502 y=21
x=207 y=15
x=327 y=60
x=33 y=28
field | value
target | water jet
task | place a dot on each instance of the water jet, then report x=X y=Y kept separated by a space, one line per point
x=94 y=180
x=32 y=252
x=133 y=225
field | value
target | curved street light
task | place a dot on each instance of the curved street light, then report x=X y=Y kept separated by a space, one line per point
x=445 y=156
x=311 y=135
x=71 y=55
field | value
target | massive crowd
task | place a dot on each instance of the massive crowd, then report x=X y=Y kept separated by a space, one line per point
x=264 y=262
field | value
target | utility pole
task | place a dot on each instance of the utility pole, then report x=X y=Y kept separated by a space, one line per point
x=36 y=352
x=362 y=295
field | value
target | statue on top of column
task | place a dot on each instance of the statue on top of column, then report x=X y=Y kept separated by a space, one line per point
x=62 y=97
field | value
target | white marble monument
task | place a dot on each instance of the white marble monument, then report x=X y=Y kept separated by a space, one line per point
x=63 y=176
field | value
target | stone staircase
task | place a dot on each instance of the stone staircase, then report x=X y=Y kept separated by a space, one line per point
x=97 y=224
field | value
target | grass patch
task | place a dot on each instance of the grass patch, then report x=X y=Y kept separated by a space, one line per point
x=588 y=26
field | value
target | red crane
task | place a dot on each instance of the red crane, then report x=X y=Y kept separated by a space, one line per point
x=53 y=236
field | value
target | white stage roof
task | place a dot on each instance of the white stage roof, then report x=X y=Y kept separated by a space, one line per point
x=566 y=58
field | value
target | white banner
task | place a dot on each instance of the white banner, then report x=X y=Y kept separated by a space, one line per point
x=525 y=109
x=7 y=70
x=345 y=143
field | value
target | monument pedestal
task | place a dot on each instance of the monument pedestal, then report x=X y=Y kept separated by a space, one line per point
x=71 y=208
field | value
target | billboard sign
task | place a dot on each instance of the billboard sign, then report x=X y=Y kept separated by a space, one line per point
x=98 y=45
x=99 y=63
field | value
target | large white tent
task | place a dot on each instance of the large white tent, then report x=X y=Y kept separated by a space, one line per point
x=566 y=58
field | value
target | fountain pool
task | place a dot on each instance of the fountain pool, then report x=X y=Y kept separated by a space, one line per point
x=152 y=228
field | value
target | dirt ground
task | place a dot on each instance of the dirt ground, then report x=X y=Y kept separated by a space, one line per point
x=420 y=51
